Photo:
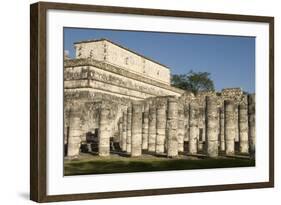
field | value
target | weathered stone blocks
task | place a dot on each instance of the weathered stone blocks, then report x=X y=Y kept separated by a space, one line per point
x=129 y=129
x=160 y=127
x=136 y=130
x=145 y=126
x=212 y=123
x=172 y=125
x=229 y=127
x=120 y=131
x=243 y=129
x=252 y=124
x=124 y=134
x=186 y=122
x=221 y=130
x=193 y=128
x=152 y=129
x=181 y=130
x=74 y=138
x=104 y=134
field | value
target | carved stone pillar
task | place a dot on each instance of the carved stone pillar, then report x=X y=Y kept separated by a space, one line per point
x=129 y=129
x=212 y=122
x=136 y=130
x=160 y=127
x=229 y=127
x=221 y=135
x=104 y=135
x=145 y=127
x=236 y=124
x=124 y=134
x=180 y=130
x=204 y=124
x=152 y=129
x=193 y=128
x=116 y=138
x=120 y=131
x=186 y=122
x=202 y=129
x=243 y=129
x=74 y=137
x=252 y=124
x=172 y=125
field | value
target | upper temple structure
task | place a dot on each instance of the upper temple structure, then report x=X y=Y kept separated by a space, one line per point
x=118 y=100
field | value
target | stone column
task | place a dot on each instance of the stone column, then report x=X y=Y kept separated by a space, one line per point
x=180 y=130
x=120 y=130
x=243 y=129
x=136 y=130
x=152 y=129
x=212 y=122
x=221 y=135
x=124 y=134
x=160 y=127
x=65 y=130
x=252 y=124
x=202 y=129
x=236 y=120
x=172 y=125
x=104 y=136
x=193 y=128
x=74 y=137
x=229 y=127
x=204 y=124
x=186 y=122
x=145 y=127
x=116 y=139
x=129 y=129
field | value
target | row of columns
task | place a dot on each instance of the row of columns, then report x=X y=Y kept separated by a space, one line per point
x=164 y=127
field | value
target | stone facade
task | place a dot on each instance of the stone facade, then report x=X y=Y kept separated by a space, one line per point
x=110 y=105
x=106 y=51
x=89 y=74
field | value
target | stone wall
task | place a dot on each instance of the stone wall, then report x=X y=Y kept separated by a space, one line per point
x=105 y=78
x=94 y=50
x=117 y=55
x=176 y=125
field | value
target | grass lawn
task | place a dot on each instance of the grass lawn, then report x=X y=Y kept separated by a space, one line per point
x=117 y=164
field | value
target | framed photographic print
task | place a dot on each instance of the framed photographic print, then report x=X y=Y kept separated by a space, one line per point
x=134 y=102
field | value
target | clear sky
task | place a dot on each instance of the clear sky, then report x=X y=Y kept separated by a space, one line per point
x=229 y=59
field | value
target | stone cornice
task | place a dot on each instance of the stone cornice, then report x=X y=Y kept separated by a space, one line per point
x=119 y=71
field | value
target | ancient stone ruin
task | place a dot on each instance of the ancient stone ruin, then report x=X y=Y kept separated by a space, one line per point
x=116 y=100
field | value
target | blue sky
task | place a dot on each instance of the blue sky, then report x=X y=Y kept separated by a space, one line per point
x=229 y=59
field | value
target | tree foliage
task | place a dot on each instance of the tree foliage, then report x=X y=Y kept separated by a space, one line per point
x=193 y=81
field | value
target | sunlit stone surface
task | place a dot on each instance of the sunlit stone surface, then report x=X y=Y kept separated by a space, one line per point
x=118 y=101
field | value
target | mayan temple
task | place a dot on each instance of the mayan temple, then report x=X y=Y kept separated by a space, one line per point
x=118 y=100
